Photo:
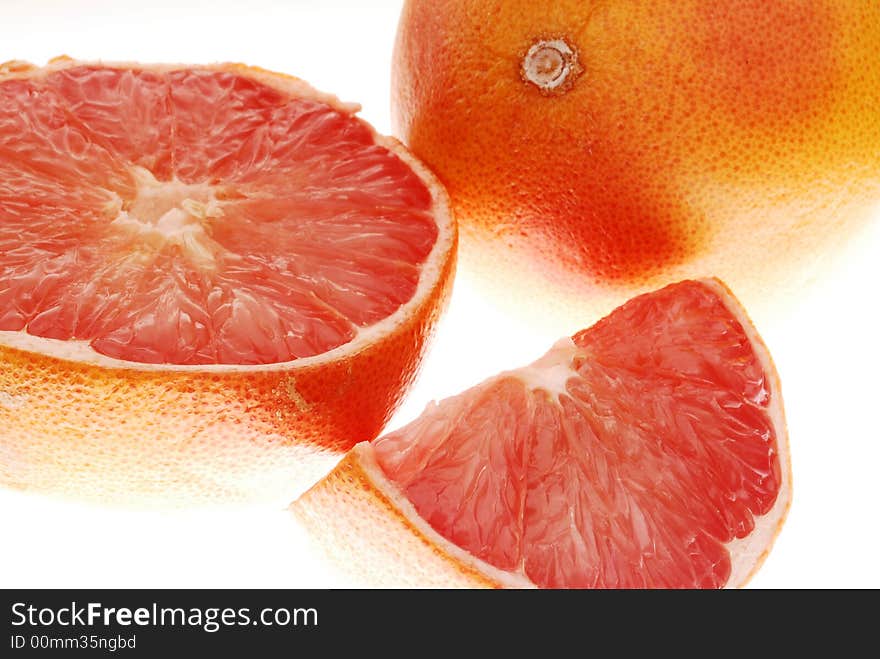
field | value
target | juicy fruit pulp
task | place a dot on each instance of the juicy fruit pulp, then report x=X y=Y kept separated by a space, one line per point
x=631 y=455
x=198 y=217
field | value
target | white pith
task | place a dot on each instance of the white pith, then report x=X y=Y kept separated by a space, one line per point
x=170 y=213
x=151 y=219
x=551 y=372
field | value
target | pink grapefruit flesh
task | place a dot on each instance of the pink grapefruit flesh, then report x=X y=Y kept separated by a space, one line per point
x=199 y=217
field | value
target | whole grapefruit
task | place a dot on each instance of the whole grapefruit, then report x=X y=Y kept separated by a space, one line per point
x=594 y=150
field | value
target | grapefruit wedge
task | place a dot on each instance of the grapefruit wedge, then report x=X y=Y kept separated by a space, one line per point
x=214 y=280
x=649 y=450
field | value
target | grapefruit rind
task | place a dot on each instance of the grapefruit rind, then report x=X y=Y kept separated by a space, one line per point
x=368 y=528
x=759 y=164
x=396 y=548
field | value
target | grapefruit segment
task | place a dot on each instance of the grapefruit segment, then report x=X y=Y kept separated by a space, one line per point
x=213 y=220
x=126 y=111
x=649 y=450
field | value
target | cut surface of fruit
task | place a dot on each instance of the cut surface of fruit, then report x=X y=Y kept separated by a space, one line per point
x=199 y=217
x=649 y=450
x=162 y=222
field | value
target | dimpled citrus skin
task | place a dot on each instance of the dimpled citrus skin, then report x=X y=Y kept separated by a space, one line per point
x=736 y=138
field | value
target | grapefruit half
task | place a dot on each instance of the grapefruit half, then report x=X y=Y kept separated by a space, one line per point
x=213 y=280
x=647 y=451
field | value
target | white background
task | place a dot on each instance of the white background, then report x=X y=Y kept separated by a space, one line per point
x=826 y=350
